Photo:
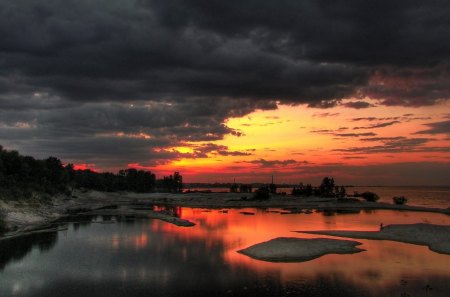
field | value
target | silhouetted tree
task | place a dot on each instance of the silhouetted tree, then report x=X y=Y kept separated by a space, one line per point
x=326 y=187
x=171 y=184
x=21 y=176
x=126 y=180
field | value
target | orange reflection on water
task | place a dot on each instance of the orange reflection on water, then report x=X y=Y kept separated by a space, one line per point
x=141 y=241
x=383 y=263
x=138 y=241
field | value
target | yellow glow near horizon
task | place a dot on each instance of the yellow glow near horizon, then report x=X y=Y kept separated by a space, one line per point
x=318 y=137
x=283 y=130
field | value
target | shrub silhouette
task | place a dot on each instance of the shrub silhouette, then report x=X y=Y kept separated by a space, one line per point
x=400 y=200
x=262 y=193
x=370 y=196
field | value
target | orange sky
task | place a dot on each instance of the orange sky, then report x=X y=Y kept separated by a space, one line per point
x=290 y=140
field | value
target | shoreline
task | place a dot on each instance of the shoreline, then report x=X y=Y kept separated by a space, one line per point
x=293 y=249
x=435 y=237
x=233 y=200
x=34 y=216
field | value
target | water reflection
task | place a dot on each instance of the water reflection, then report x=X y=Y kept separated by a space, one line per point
x=154 y=258
x=16 y=248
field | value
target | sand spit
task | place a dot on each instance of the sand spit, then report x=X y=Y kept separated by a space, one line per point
x=290 y=249
x=436 y=237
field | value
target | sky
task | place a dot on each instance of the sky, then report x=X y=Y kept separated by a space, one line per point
x=224 y=90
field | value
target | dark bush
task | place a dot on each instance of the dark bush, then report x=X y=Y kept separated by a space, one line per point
x=400 y=200
x=370 y=196
x=326 y=187
x=302 y=190
x=262 y=193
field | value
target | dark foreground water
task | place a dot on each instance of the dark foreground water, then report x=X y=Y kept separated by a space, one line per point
x=154 y=258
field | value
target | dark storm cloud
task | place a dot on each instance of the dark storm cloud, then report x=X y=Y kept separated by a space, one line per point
x=326 y=114
x=274 y=163
x=110 y=152
x=378 y=125
x=374 y=139
x=126 y=50
x=393 y=149
x=436 y=128
x=102 y=132
x=70 y=70
x=410 y=86
x=202 y=151
x=395 y=145
x=322 y=131
x=405 y=118
x=324 y=104
x=298 y=52
x=338 y=133
x=180 y=120
x=364 y=119
x=357 y=104
x=354 y=134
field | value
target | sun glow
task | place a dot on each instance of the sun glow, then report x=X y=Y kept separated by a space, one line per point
x=291 y=137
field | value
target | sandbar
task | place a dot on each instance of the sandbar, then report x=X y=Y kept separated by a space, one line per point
x=291 y=249
x=436 y=237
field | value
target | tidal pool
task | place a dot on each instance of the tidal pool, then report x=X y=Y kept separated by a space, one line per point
x=155 y=258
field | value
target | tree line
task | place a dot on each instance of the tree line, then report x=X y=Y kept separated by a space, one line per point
x=23 y=176
x=327 y=188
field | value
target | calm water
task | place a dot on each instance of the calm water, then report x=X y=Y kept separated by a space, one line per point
x=421 y=196
x=154 y=258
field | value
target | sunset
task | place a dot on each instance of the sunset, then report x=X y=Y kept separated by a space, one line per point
x=224 y=148
x=300 y=144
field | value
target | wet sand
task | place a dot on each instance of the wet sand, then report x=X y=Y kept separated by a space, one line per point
x=436 y=237
x=290 y=249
